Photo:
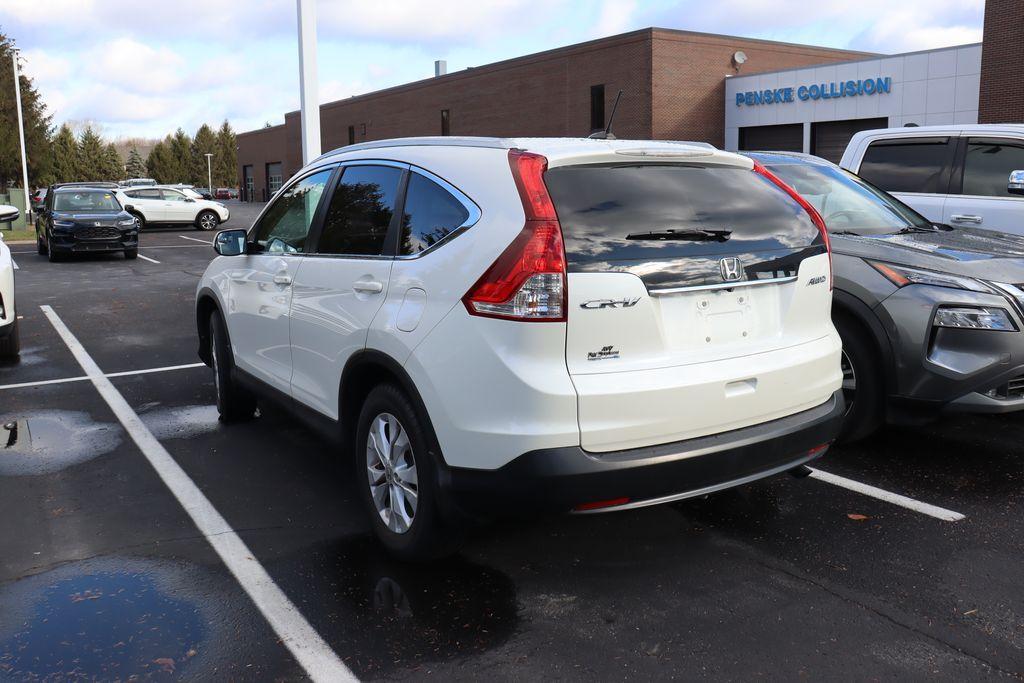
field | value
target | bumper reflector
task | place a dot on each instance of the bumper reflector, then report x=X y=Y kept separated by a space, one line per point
x=598 y=504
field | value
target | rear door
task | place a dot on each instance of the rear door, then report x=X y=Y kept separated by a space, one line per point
x=150 y=204
x=343 y=282
x=260 y=284
x=980 y=198
x=689 y=287
x=917 y=169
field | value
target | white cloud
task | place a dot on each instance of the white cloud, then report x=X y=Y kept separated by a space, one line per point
x=616 y=16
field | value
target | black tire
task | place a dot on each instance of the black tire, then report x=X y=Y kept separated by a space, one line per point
x=233 y=402
x=865 y=407
x=131 y=253
x=142 y=221
x=207 y=220
x=10 y=347
x=53 y=255
x=40 y=246
x=429 y=536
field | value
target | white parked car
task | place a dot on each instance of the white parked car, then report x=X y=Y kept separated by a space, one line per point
x=172 y=205
x=10 y=344
x=964 y=175
x=497 y=326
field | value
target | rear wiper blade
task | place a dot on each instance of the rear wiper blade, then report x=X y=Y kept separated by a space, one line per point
x=689 y=234
x=914 y=228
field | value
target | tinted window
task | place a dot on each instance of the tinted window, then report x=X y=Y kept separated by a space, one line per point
x=654 y=212
x=147 y=194
x=285 y=225
x=908 y=166
x=431 y=214
x=360 y=211
x=988 y=164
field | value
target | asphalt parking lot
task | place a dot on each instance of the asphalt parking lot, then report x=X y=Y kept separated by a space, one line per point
x=902 y=557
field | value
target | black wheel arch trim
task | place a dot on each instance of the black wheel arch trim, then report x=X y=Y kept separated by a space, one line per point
x=206 y=300
x=847 y=304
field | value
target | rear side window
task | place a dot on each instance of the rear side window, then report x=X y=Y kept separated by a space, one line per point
x=988 y=164
x=431 y=214
x=909 y=165
x=360 y=211
x=646 y=213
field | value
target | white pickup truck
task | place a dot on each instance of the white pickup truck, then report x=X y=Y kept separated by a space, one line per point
x=965 y=175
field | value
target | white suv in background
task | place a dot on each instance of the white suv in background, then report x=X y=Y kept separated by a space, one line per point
x=505 y=326
x=162 y=204
x=966 y=175
x=10 y=344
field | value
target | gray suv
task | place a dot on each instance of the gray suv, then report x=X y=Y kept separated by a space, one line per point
x=931 y=316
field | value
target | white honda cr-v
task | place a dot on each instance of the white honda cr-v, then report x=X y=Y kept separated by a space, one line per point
x=510 y=325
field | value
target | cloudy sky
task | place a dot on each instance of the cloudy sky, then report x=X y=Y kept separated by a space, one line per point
x=144 y=68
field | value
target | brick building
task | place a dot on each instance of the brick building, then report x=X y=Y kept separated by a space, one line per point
x=673 y=85
x=1002 y=63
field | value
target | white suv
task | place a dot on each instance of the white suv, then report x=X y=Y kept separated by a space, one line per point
x=497 y=325
x=965 y=175
x=172 y=205
x=9 y=341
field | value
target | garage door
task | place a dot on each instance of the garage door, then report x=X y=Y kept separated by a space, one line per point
x=786 y=138
x=829 y=138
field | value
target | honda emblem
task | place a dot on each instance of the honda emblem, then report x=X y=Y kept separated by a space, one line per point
x=730 y=267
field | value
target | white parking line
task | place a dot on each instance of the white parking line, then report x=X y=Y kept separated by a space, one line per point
x=146 y=258
x=195 y=239
x=126 y=373
x=177 y=246
x=309 y=649
x=888 y=496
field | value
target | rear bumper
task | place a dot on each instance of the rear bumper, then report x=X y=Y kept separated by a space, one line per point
x=563 y=479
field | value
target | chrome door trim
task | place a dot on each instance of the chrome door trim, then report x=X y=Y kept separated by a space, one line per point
x=724 y=285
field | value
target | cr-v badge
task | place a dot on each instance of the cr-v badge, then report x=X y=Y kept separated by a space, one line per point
x=610 y=303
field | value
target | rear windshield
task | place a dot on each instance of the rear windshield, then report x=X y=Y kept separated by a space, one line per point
x=86 y=200
x=651 y=212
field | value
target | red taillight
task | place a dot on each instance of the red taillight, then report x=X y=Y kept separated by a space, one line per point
x=599 y=504
x=527 y=281
x=816 y=218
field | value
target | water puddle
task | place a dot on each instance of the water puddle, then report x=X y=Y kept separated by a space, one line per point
x=181 y=422
x=49 y=441
x=110 y=623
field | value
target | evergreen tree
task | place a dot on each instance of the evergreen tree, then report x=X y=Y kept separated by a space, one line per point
x=204 y=142
x=135 y=168
x=64 y=157
x=113 y=166
x=180 y=148
x=159 y=165
x=37 y=125
x=91 y=155
x=225 y=160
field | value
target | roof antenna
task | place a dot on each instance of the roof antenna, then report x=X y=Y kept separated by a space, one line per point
x=606 y=134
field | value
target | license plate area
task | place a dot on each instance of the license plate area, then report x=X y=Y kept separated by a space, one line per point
x=721 y=318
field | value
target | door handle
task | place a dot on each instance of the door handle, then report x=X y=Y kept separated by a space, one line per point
x=282 y=279
x=368 y=286
x=962 y=218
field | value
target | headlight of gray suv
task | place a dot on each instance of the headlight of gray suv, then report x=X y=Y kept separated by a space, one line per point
x=126 y=223
x=962 y=317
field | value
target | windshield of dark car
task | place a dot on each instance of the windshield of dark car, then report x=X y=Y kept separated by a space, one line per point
x=847 y=203
x=86 y=201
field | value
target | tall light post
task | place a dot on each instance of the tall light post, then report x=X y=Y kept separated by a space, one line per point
x=209 y=172
x=21 y=132
x=308 y=101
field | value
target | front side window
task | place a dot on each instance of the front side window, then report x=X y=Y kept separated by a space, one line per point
x=431 y=214
x=909 y=165
x=285 y=225
x=988 y=164
x=172 y=196
x=360 y=211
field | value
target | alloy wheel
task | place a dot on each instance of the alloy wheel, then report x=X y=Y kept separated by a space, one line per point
x=208 y=221
x=391 y=471
x=849 y=381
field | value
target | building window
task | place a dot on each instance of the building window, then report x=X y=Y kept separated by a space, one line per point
x=597 y=107
x=351 y=135
x=275 y=177
x=445 y=122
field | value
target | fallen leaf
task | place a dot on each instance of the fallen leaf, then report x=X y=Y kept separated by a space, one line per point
x=165 y=663
x=970 y=611
x=855 y=517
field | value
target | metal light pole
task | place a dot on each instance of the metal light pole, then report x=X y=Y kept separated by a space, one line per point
x=308 y=101
x=209 y=172
x=21 y=132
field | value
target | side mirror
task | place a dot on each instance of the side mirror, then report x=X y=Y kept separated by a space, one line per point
x=189 y=199
x=230 y=242
x=1016 y=184
x=129 y=207
x=8 y=213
